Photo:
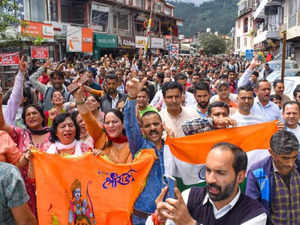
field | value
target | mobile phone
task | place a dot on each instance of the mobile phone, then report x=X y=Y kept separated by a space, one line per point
x=74 y=86
x=171 y=183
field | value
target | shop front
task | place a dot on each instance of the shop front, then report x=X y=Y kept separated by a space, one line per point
x=126 y=46
x=105 y=44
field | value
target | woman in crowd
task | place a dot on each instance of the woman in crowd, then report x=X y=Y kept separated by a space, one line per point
x=65 y=137
x=36 y=134
x=110 y=140
x=84 y=135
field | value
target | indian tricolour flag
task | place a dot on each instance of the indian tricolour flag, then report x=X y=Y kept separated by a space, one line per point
x=185 y=156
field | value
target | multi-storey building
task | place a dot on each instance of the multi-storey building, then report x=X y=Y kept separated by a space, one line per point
x=244 y=28
x=268 y=17
x=116 y=24
x=292 y=26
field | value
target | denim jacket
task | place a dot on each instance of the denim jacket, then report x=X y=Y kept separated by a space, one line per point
x=146 y=200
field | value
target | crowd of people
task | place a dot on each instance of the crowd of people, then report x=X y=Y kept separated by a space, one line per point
x=115 y=107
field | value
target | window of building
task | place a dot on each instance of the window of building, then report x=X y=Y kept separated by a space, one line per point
x=292 y=8
x=37 y=10
x=73 y=11
x=168 y=11
x=53 y=10
x=246 y=25
x=99 y=17
x=238 y=42
x=140 y=4
x=123 y=22
x=245 y=42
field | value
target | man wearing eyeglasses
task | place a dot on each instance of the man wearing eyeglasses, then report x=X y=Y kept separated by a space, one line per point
x=220 y=202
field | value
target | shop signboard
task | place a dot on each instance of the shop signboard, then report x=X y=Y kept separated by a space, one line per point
x=157 y=43
x=37 y=30
x=126 y=42
x=9 y=59
x=106 y=40
x=39 y=52
x=140 y=41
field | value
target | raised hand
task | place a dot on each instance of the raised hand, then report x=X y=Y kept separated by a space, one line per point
x=254 y=63
x=22 y=65
x=47 y=63
x=133 y=87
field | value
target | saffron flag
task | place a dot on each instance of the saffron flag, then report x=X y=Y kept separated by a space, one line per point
x=88 y=189
x=194 y=149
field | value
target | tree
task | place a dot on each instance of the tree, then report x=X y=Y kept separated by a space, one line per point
x=8 y=15
x=212 y=44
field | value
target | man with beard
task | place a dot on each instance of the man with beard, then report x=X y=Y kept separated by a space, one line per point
x=278 y=87
x=220 y=202
x=111 y=96
x=202 y=95
x=275 y=180
x=149 y=136
x=243 y=116
x=57 y=81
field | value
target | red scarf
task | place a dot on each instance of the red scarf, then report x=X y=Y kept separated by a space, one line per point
x=119 y=140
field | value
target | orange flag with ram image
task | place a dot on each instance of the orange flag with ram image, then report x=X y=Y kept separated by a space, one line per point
x=194 y=149
x=88 y=189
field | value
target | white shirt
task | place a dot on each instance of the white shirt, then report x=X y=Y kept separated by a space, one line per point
x=158 y=99
x=261 y=219
x=245 y=120
x=174 y=122
x=295 y=131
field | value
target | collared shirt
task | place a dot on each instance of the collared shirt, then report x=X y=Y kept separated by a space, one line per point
x=269 y=112
x=12 y=192
x=258 y=220
x=200 y=112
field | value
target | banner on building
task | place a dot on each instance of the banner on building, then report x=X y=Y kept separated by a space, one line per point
x=9 y=59
x=88 y=189
x=39 y=52
x=79 y=39
x=173 y=49
x=37 y=30
x=140 y=41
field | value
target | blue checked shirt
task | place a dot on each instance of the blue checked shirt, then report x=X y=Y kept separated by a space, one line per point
x=12 y=192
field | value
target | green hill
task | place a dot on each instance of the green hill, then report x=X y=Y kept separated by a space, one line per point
x=219 y=15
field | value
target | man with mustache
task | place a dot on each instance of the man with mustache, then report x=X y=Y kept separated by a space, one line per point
x=275 y=180
x=220 y=202
x=112 y=96
x=149 y=136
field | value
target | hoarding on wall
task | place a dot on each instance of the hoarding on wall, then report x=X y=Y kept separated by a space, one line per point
x=157 y=43
x=79 y=39
x=35 y=30
x=9 y=59
x=140 y=41
x=39 y=52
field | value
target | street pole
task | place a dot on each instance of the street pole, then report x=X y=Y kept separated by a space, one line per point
x=148 y=33
x=283 y=56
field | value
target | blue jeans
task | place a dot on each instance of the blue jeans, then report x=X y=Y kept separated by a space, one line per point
x=138 y=220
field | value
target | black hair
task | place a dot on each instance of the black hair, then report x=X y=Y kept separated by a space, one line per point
x=38 y=108
x=272 y=97
x=217 y=104
x=284 y=142
x=245 y=88
x=256 y=86
x=171 y=85
x=146 y=90
x=255 y=73
x=290 y=103
x=57 y=73
x=150 y=112
x=57 y=91
x=180 y=76
x=111 y=76
x=201 y=87
x=277 y=81
x=240 y=157
x=117 y=113
x=59 y=119
x=296 y=90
